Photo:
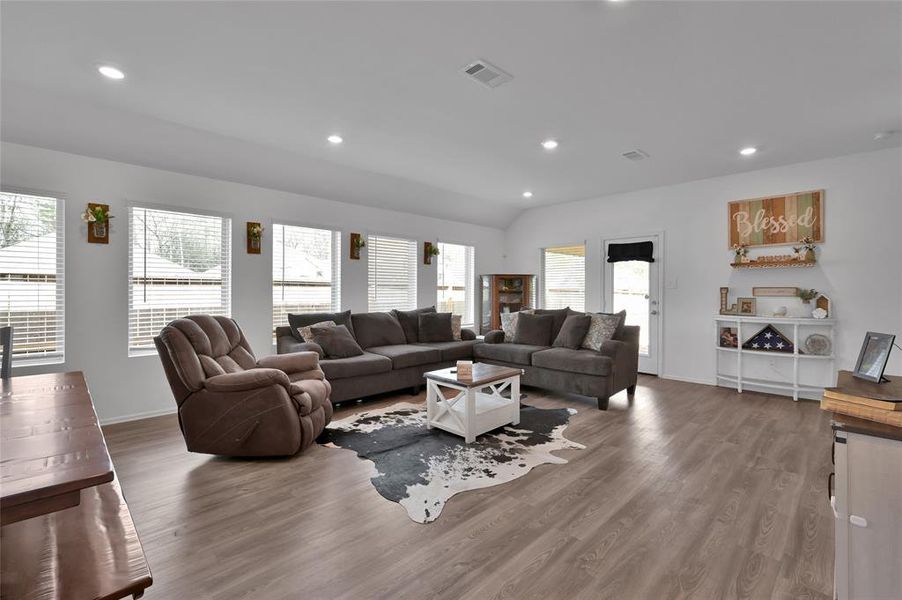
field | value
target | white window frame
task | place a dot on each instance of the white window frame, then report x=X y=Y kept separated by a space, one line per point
x=372 y=304
x=225 y=273
x=467 y=320
x=336 y=269
x=58 y=356
x=544 y=294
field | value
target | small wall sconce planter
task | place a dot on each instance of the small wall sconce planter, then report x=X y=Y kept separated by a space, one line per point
x=429 y=251
x=254 y=237
x=357 y=244
x=97 y=216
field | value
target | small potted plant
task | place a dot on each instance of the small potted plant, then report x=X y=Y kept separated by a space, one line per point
x=740 y=252
x=430 y=251
x=807 y=295
x=97 y=217
x=255 y=233
x=808 y=246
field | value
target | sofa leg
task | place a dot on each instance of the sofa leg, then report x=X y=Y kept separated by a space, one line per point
x=602 y=403
x=414 y=390
x=631 y=390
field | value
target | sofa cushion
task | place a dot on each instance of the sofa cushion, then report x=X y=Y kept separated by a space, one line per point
x=534 y=330
x=409 y=320
x=604 y=326
x=377 y=329
x=336 y=341
x=408 y=355
x=518 y=354
x=435 y=327
x=458 y=350
x=306 y=319
x=355 y=366
x=573 y=332
x=559 y=314
x=582 y=361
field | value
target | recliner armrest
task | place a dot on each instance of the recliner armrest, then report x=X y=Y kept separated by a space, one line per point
x=296 y=362
x=496 y=336
x=251 y=379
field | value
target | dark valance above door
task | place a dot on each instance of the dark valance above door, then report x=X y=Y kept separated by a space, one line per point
x=644 y=251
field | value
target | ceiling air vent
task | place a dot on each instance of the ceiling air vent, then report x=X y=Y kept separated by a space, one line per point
x=487 y=74
x=635 y=154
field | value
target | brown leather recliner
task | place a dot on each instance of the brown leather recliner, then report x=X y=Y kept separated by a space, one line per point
x=232 y=404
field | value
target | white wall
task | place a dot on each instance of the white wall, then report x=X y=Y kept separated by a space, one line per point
x=859 y=263
x=96 y=275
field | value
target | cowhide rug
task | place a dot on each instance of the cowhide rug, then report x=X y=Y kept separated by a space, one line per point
x=422 y=468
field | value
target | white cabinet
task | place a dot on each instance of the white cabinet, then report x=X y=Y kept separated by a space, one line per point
x=867 y=504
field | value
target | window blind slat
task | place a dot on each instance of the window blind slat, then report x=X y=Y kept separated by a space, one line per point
x=32 y=270
x=392 y=278
x=456 y=276
x=306 y=272
x=564 y=277
x=179 y=264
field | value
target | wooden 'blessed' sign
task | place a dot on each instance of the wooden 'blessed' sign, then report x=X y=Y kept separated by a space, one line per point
x=777 y=220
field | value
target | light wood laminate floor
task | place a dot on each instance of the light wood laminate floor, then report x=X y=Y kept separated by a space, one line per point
x=688 y=491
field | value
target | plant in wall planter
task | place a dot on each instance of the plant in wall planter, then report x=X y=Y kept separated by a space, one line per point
x=97 y=216
x=808 y=246
x=430 y=250
x=740 y=253
x=254 y=237
x=807 y=295
x=357 y=244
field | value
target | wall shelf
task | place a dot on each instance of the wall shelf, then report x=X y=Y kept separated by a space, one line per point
x=756 y=264
x=747 y=326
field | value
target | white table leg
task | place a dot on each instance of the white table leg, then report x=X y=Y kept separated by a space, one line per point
x=430 y=403
x=470 y=416
x=515 y=396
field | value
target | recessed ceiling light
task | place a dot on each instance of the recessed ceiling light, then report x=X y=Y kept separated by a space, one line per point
x=111 y=72
x=527 y=194
x=748 y=151
x=335 y=139
x=549 y=144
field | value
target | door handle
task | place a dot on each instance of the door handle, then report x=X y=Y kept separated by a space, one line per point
x=652 y=312
x=858 y=521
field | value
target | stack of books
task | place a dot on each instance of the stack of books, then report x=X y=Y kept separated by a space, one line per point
x=880 y=402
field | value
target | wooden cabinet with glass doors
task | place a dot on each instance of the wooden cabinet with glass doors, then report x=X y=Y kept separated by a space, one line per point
x=503 y=293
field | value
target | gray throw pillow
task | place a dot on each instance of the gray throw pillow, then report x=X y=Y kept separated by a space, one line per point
x=299 y=321
x=435 y=327
x=534 y=330
x=377 y=329
x=560 y=315
x=409 y=320
x=336 y=341
x=573 y=332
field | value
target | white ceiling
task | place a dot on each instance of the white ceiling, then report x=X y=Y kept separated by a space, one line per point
x=249 y=91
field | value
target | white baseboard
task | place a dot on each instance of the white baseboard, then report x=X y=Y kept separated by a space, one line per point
x=138 y=416
x=689 y=379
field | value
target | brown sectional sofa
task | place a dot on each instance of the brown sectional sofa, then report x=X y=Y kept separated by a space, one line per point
x=596 y=374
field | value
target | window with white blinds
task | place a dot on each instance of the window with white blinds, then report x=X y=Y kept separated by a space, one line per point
x=306 y=271
x=32 y=257
x=456 y=274
x=392 y=273
x=564 y=277
x=179 y=264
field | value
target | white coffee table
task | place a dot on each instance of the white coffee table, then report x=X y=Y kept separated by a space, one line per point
x=478 y=406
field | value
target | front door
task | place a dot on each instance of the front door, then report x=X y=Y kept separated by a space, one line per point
x=633 y=286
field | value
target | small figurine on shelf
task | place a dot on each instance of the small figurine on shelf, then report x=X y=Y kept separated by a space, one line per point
x=740 y=252
x=797 y=253
x=807 y=295
x=808 y=246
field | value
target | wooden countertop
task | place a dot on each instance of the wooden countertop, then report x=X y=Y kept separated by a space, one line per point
x=51 y=445
x=483 y=374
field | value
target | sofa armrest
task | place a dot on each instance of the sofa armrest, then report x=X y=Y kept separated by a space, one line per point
x=630 y=335
x=296 y=362
x=496 y=336
x=286 y=344
x=467 y=334
x=251 y=379
x=613 y=348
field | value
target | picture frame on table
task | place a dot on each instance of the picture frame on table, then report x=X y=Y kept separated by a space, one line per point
x=748 y=306
x=873 y=357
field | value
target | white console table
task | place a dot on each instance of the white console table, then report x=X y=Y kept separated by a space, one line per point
x=796 y=329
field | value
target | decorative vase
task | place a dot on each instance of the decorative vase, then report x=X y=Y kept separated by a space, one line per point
x=255 y=243
x=99 y=229
x=809 y=255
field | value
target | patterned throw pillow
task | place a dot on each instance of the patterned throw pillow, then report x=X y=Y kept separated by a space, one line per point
x=455 y=327
x=509 y=323
x=602 y=328
x=305 y=331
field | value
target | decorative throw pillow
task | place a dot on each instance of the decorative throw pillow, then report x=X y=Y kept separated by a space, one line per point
x=534 y=330
x=336 y=341
x=305 y=331
x=573 y=332
x=409 y=320
x=297 y=321
x=560 y=315
x=435 y=327
x=602 y=328
x=509 y=323
x=455 y=327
